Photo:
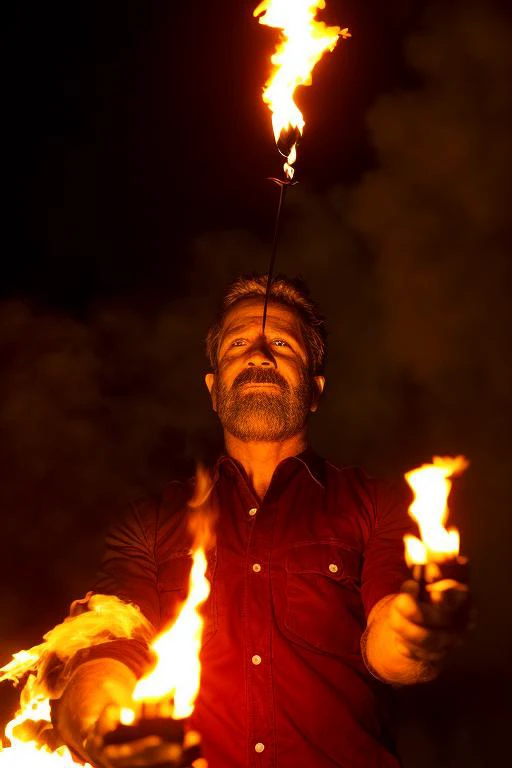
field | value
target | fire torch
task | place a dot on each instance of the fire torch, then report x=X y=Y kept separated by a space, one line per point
x=434 y=559
x=164 y=699
x=304 y=42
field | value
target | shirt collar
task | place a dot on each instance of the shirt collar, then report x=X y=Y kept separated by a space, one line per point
x=314 y=464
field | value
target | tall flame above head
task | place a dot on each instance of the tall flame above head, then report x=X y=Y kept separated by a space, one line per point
x=431 y=485
x=304 y=42
x=177 y=672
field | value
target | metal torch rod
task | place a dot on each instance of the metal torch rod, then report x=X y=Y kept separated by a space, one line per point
x=277 y=230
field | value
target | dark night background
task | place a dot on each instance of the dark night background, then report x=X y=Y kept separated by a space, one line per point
x=134 y=175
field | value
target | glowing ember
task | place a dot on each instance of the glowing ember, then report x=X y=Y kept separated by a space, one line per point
x=431 y=485
x=177 y=672
x=103 y=617
x=304 y=42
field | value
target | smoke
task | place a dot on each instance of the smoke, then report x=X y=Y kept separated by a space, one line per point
x=435 y=212
x=435 y=215
x=91 y=414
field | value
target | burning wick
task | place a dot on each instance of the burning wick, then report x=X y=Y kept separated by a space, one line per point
x=304 y=42
x=434 y=558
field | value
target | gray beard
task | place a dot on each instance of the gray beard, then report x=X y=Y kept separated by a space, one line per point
x=263 y=416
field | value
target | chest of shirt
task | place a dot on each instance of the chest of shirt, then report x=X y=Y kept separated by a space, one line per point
x=296 y=556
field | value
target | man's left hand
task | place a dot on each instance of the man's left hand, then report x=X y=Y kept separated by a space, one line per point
x=408 y=640
x=428 y=631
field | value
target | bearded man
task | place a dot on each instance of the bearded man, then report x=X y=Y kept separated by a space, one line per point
x=306 y=623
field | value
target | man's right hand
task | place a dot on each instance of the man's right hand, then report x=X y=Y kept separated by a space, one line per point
x=147 y=752
x=90 y=708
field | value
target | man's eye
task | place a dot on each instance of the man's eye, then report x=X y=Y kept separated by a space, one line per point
x=280 y=343
x=238 y=343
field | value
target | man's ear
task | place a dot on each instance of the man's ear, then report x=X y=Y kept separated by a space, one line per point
x=319 y=384
x=210 y=381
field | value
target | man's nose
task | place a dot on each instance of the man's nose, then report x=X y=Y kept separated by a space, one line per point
x=260 y=353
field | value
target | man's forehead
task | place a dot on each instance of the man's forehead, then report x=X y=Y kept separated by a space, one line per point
x=249 y=312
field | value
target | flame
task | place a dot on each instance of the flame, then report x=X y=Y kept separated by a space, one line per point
x=431 y=485
x=26 y=751
x=177 y=672
x=100 y=618
x=304 y=42
x=29 y=755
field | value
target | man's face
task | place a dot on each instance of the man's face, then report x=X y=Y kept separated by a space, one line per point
x=262 y=390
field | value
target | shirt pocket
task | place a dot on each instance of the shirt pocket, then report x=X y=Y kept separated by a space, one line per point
x=173 y=587
x=321 y=604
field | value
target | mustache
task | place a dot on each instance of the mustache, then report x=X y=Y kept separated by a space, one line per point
x=259 y=376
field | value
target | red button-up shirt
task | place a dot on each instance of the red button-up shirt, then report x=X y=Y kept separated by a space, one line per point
x=294 y=577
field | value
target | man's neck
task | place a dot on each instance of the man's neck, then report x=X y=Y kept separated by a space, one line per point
x=259 y=459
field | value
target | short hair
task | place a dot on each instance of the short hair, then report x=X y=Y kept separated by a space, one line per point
x=290 y=292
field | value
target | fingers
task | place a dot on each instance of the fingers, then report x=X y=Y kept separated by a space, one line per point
x=145 y=751
x=449 y=609
x=406 y=607
x=422 y=633
x=151 y=750
x=449 y=593
x=420 y=640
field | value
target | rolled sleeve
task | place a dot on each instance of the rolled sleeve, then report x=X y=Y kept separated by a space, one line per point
x=134 y=654
x=128 y=569
x=384 y=567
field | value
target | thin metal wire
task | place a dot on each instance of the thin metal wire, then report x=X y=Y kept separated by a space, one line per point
x=277 y=229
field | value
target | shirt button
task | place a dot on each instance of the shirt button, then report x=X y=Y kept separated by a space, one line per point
x=256 y=659
x=256 y=567
x=253 y=511
x=259 y=747
x=333 y=568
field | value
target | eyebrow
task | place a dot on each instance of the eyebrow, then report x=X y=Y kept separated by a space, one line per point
x=241 y=326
